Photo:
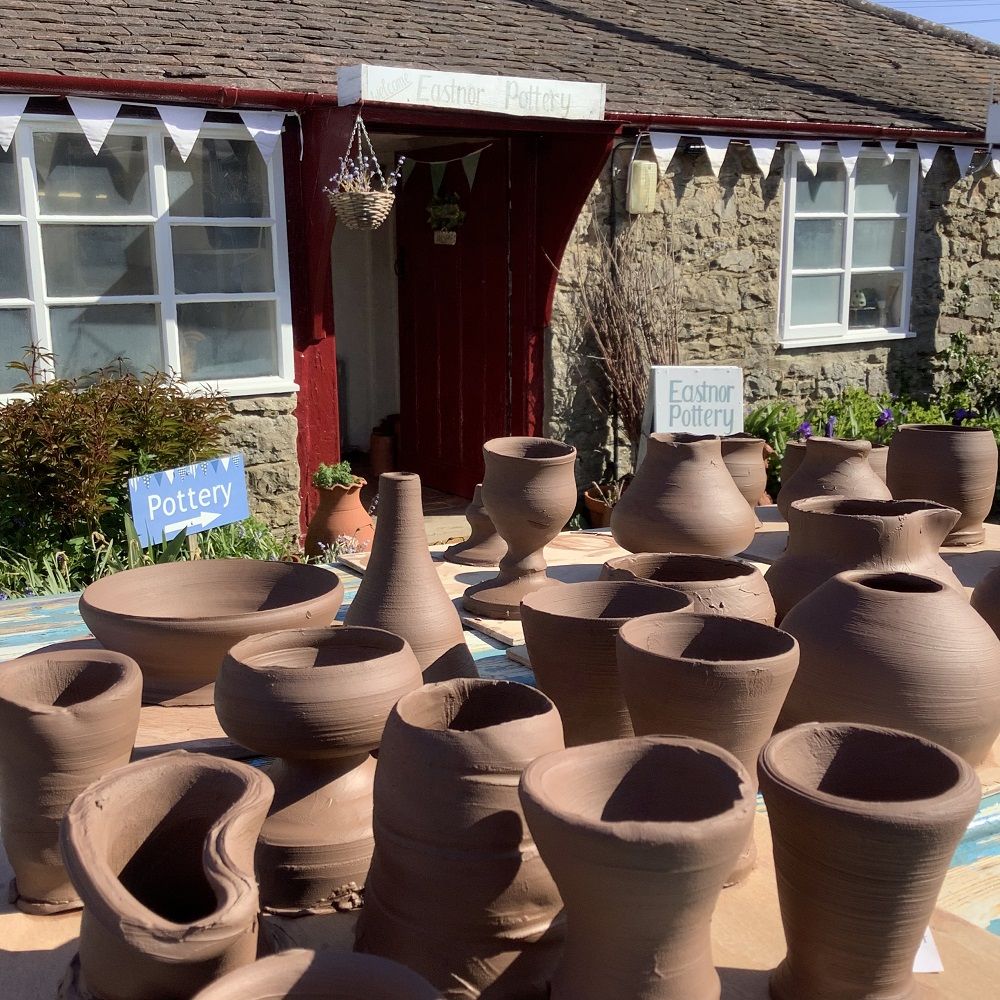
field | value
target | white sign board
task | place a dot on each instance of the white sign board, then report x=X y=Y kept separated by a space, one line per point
x=695 y=399
x=505 y=95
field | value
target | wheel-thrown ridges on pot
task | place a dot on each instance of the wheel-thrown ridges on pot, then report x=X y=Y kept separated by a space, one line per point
x=865 y=821
x=639 y=835
x=743 y=455
x=67 y=718
x=986 y=598
x=795 y=451
x=339 y=515
x=483 y=547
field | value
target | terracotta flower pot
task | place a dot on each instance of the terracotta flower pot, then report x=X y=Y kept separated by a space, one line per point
x=897 y=650
x=828 y=535
x=717 y=586
x=795 y=451
x=316 y=700
x=598 y=509
x=683 y=499
x=639 y=835
x=483 y=547
x=339 y=515
x=401 y=591
x=457 y=891
x=986 y=599
x=530 y=491
x=178 y=620
x=161 y=853
x=878 y=459
x=956 y=466
x=66 y=718
x=865 y=822
x=743 y=455
x=723 y=680
x=570 y=632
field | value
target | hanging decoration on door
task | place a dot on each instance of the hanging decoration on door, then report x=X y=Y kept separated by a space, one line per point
x=445 y=215
x=470 y=164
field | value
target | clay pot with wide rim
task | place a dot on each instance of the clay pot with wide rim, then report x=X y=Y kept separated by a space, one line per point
x=571 y=634
x=956 y=466
x=639 y=835
x=178 y=620
x=316 y=700
x=795 y=451
x=986 y=599
x=897 y=650
x=865 y=821
x=457 y=891
x=67 y=718
x=340 y=515
x=483 y=547
x=723 y=680
x=743 y=455
x=683 y=499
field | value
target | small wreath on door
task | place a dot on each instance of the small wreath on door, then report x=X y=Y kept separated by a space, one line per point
x=446 y=216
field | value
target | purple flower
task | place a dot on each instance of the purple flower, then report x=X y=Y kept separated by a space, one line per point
x=959 y=415
x=805 y=430
x=884 y=418
x=830 y=424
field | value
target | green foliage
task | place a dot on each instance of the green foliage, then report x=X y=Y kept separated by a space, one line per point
x=776 y=423
x=444 y=213
x=856 y=416
x=328 y=476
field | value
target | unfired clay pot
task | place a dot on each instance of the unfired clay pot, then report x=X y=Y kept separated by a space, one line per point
x=457 y=890
x=743 y=455
x=795 y=451
x=401 y=590
x=571 y=633
x=878 y=459
x=986 y=599
x=639 y=835
x=317 y=700
x=161 y=853
x=177 y=620
x=683 y=499
x=865 y=822
x=828 y=535
x=956 y=466
x=483 y=547
x=339 y=515
x=717 y=586
x=898 y=650
x=723 y=680
x=530 y=491
x=66 y=718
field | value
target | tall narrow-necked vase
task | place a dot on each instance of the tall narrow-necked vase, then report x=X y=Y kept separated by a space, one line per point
x=483 y=547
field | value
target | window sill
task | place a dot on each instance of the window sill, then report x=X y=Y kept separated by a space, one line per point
x=830 y=340
x=271 y=385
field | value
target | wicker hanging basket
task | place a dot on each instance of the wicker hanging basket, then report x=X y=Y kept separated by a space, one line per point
x=362 y=209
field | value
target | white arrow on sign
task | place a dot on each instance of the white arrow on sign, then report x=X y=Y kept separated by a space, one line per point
x=205 y=518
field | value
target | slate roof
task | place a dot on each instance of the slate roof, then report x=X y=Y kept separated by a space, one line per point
x=797 y=60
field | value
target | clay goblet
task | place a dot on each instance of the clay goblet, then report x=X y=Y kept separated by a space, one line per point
x=483 y=547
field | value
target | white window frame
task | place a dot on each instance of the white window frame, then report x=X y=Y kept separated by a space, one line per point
x=831 y=334
x=165 y=296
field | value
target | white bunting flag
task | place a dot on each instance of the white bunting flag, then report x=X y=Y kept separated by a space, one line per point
x=993 y=123
x=963 y=157
x=716 y=147
x=763 y=153
x=11 y=108
x=850 y=150
x=927 y=151
x=265 y=129
x=664 y=146
x=95 y=117
x=810 y=150
x=183 y=124
x=993 y=158
x=889 y=148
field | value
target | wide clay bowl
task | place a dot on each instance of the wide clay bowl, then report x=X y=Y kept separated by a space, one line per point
x=178 y=620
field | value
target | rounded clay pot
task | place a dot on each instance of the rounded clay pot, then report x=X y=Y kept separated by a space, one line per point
x=570 y=632
x=897 y=650
x=795 y=451
x=67 y=718
x=717 y=586
x=178 y=620
x=864 y=822
x=161 y=853
x=639 y=835
x=530 y=491
x=743 y=455
x=986 y=599
x=339 y=515
x=401 y=591
x=829 y=535
x=457 y=891
x=316 y=700
x=956 y=466
x=483 y=547
x=683 y=499
x=723 y=680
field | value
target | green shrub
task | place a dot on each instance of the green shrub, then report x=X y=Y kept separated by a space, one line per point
x=328 y=476
x=775 y=422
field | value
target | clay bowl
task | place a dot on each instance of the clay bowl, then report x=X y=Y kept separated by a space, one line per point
x=178 y=620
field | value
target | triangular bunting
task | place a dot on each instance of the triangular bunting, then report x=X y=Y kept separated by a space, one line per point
x=810 y=150
x=470 y=164
x=265 y=129
x=437 y=175
x=11 y=108
x=664 y=146
x=963 y=157
x=927 y=151
x=224 y=462
x=405 y=170
x=716 y=147
x=96 y=117
x=183 y=124
x=993 y=158
x=850 y=150
x=763 y=153
x=889 y=148
x=993 y=123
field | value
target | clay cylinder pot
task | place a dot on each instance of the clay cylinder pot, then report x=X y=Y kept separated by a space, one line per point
x=956 y=466
x=161 y=853
x=401 y=591
x=483 y=547
x=864 y=821
x=743 y=455
x=571 y=632
x=986 y=599
x=639 y=835
x=339 y=516
x=897 y=650
x=723 y=680
x=683 y=499
x=457 y=891
x=795 y=451
x=316 y=700
x=878 y=459
x=66 y=718
x=717 y=586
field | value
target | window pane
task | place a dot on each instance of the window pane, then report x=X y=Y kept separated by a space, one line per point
x=879 y=243
x=222 y=259
x=10 y=203
x=816 y=299
x=13 y=280
x=98 y=260
x=882 y=187
x=876 y=301
x=223 y=178
x=86 y=338
x=818 y=243
x=15 y=336
x=227 y=339
x=826 y=192
x=73 y=181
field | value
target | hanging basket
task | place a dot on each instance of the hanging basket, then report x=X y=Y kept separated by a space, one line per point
x=360 y=210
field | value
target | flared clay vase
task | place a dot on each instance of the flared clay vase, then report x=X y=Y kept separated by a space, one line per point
x=483 y=547
x=986 y=599
x=339 y=516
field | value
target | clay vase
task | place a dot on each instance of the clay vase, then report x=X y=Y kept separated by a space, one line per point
x=795 y=451
x=743 y=455
x=457 y=891
x=864 y=821
x=723 y=680
x=317 y=701
x=161 y=853
x=828 y=535
x=530 y=491
x=956 y=466
x=340 y=515
x=683 y=499
x=878 y=459
x=986 y=599
x=897 y=650
x=716 y=586
x=66 y=718
x=639 y=835
x=401 y=591
x=178 y=620
x=483 y=547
